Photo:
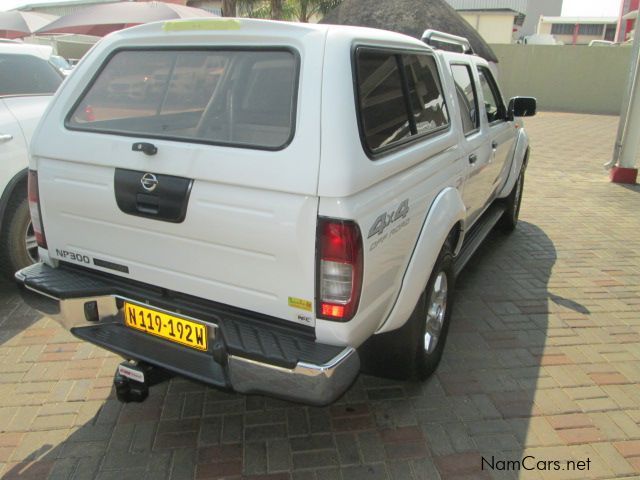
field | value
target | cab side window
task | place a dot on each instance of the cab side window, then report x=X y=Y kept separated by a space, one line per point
x=382 y=106
x=399 y=98
x=467 y=97
x=493 y=105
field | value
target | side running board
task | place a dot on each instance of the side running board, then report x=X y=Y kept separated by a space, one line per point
x=477 y=234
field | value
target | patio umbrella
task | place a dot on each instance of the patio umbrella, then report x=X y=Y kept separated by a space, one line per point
x=411 y=17
x=100 y=20
x=16 y=24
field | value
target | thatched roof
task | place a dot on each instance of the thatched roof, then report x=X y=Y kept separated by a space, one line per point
x=411 y=17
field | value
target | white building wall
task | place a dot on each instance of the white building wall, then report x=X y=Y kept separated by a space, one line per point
x=581 y=39
x=492 y=27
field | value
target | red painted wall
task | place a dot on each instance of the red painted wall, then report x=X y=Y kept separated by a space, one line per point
x=628 y=24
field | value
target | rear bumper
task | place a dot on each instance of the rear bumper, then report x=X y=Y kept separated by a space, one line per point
x=247 y=353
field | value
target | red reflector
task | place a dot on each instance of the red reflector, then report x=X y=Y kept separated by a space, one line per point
x=339 y=242
x=33 y=196
x=335 y=311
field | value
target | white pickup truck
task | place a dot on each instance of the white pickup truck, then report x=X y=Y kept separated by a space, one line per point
x=268 y=207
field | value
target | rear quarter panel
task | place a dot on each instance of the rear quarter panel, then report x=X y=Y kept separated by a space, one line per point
x=388 y=197
x=18 y=117
x=13 y=153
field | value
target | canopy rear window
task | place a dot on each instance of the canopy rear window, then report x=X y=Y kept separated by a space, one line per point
x=244 y=98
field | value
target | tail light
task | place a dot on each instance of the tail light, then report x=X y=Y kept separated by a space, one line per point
x=34 y=208
x=339 y=269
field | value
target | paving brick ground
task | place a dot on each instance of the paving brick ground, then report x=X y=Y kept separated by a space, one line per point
x=543 y=362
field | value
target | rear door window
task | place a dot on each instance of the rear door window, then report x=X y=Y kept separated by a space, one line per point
x=399 y=97
x=240 y=98
x=467 y=97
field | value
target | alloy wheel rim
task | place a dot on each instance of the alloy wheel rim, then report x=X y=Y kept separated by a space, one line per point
x=436 y=312
x=31 y=244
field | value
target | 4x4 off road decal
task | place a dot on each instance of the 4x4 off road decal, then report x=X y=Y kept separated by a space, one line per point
x=386 y=219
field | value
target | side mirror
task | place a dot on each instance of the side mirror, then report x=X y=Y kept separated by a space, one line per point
x=521 y=107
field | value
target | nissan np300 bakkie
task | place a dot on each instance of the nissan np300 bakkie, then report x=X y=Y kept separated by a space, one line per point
x=269 y=207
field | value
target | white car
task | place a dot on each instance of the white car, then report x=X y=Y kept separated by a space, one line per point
x=602 y=43
x=541 y=39
x=27 y=82
x=268 y=206
x=61 y=64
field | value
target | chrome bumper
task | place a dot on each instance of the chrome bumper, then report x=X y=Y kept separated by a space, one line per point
x=306 y=383
x=310 y=383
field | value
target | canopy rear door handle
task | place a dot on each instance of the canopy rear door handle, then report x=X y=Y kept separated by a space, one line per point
x=494 y=144
x=145 y=147
x=473 y=158
x=5 y=137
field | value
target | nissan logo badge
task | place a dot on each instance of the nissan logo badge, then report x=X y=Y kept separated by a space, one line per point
x=149 y=182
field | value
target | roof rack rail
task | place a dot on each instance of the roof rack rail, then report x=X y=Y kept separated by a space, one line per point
x=446 y=41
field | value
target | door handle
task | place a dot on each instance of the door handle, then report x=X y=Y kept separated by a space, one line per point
x=494 y=144
x=145 y=147
x=473 y=158
x=6 y=137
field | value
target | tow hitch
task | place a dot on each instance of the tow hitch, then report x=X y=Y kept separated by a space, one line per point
x=133 y=379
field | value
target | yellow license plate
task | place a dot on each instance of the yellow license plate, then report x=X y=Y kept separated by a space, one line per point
x=169 y=327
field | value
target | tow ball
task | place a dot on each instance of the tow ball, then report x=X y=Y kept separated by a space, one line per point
x=133 y=379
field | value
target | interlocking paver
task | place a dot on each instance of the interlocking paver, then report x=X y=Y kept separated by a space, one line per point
x=543 y=359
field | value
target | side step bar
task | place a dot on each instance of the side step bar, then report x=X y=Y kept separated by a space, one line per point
x=477 y=234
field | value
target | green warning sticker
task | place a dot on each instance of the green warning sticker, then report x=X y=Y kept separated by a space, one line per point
x=205 y=24
x=300 y=303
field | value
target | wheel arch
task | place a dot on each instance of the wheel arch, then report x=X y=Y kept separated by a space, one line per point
x=14 y=185
x=518 y=162
x=444 y=221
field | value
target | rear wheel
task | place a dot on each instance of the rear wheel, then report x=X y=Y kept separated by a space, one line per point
x=415 y=350
x=18 y=246
x=434 y=316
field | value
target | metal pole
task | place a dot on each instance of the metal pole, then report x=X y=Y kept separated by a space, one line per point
x=619 y=25
x=630 y=110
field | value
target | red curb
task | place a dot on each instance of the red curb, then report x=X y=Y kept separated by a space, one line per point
x=624 y=175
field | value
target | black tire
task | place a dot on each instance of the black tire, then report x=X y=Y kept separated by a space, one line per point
x=401 y=354
x=509 y=219
x=13 y=249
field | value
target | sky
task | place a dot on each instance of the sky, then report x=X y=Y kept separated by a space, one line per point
x=9 y=4
x=589 y=8
x=571 y=8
